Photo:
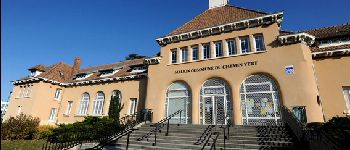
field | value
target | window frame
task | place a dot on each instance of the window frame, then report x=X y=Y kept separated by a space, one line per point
x=58 y=96
x=229 y=47
x=262 y=44
x=173 y=55
x=69 y=108
x=97 y=109
x=346 y=94
x=53 y=115
x=245 y=40
x=195 y=53
x=184 y=55
x=206 y=51
x=219 y=49
x=84 y=104
x=133 y=106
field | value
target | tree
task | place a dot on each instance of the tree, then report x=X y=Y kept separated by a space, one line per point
x=115 y=107
x=134 y=56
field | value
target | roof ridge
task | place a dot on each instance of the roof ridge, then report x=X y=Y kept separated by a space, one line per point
x=258 y=11
x=110 y=64
x=325 y=27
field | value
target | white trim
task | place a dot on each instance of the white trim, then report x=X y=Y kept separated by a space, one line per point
x=296 y=38
x=275 y=18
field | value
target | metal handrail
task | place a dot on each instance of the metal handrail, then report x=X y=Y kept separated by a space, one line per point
x=160 y=125
x=127 y=122
x=224 y=127
x=213 y=144
x=204 y=135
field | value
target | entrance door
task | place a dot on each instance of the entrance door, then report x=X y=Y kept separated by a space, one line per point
x=214 y=110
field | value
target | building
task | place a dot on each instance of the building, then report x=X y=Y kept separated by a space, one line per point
x=4 y=105
x=227 y=62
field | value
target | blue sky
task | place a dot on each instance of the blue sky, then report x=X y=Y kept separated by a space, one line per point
x=105 y=31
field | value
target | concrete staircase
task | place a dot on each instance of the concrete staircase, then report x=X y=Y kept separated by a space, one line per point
x=184 y=137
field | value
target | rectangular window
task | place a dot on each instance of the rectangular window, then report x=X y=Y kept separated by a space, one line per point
x=245 y=44
x=346 y=92
x=218 y=49
x=231 y=44
x=21 y=92
x=58 y=94
x=52 y=116
x=195 y=53
x=19 y=110
x=174 y=56
x=184 y=55
x=69 y=107
x=133 y=105
x=259 y=43
x=206 y=51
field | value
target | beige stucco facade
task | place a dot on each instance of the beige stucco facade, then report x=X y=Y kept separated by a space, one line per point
x=332 y=76
x=298 y=89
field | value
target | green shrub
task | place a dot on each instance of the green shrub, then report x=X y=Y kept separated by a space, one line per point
x=19 y=127
x=44 y=131
x=89 y=129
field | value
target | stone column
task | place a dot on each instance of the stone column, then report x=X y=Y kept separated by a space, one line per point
x=212 y=50
x=200 y=52
x=238 y=46
x=189 y=53
x=252 y=43
x=224 y=48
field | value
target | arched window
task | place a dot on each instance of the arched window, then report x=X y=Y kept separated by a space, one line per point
x=215 y=103
x=98 y=104
x=178 y=97
x=260 y=101
x=84 y=104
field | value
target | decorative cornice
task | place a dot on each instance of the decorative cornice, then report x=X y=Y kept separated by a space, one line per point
x=339 y=52
x=152 y=61
x=229 y=27
x=296 y=38
x=81 y=82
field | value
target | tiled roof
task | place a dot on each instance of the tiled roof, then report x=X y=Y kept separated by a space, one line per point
x=62 y=72
x=217 y=16
x=330 y=32
x=330 y=48
x=39 y=67
x=125 y=71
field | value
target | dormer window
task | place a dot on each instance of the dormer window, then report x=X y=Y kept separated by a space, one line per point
x=35 y=73
x=82 y=76
x=138 y=69
x=109 y=72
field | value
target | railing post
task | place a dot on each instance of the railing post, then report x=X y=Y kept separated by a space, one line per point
x=155 y=137
x=180 y=119
x=127 y=141
x=224 y=139
x=167 y=128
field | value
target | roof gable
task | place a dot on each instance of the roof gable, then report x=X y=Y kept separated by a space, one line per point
x=217 y=16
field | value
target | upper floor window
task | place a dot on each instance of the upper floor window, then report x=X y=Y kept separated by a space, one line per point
x=25 y=91
x=108 y=72
x=184 y=55
x=52 y=116
x=84 y=104
x=206 y=51
x=231 y=45
x=218 y=49
x=69 y=107
x=245 y=44
x=259 y=43
x=82 y=76
x=58 y=94
x=195 y=53
x=98 y=104
x=346 y=92
x=174 y=56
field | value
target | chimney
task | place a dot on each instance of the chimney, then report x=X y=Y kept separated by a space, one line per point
x=76 y=66
x=217 y=3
